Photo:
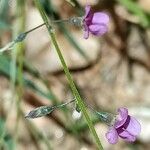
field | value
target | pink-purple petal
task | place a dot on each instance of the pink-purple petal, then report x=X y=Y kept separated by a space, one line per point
x=127 y=136
x=86 y=34
x=126 y=127
x=97 y=23
x=87 y=10
x=98 y=29
x=134 y=127
x=122 y=117
x=112 y=136
x=100 y=18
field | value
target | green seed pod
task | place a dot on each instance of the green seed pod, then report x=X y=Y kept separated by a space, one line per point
x=39 y=112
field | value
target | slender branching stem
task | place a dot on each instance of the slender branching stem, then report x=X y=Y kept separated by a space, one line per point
x=68 y=75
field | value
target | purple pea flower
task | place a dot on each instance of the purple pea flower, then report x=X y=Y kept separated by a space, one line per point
x=125 y=126
x=94 y=23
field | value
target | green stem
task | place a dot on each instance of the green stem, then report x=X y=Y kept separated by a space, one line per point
x=54 y=21
x=18 y=54
x=69 y=77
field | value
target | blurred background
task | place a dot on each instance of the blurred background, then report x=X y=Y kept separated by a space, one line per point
x=111 y=71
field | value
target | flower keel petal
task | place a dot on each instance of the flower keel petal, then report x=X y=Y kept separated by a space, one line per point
x=112 y=136
x=134 y=127
x=127 y=136
x=98 y=29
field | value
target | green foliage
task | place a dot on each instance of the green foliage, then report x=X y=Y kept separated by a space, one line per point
x=4 y=15
x=3 y=9
x=5 y=64
x=134 y=8
x=2 y=128
x=4 y=25
x=6 y=140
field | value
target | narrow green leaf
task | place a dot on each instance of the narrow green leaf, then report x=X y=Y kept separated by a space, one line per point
x=5 y=70
x=4 y=25
x=4 y=9
x=9 y=142
x=2 y=128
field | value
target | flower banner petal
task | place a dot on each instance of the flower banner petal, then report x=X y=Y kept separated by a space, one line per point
x=87 y=10
x=100 y=18
x=122 y=117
